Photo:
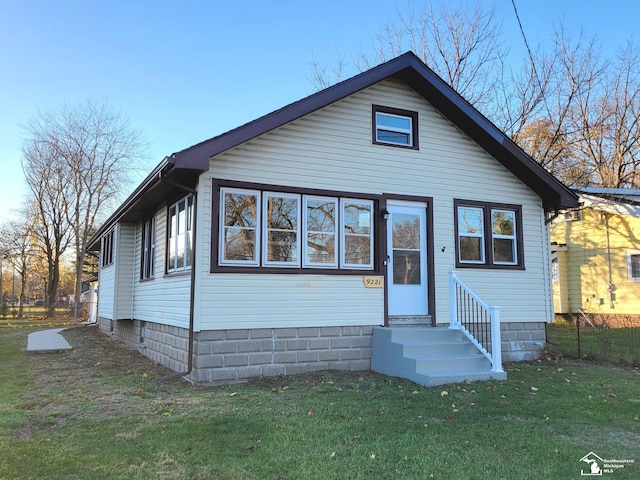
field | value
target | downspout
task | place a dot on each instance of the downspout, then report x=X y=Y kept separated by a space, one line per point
x=193 y=284
x=611 y=286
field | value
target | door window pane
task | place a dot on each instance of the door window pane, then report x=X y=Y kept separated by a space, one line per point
x=406 y=267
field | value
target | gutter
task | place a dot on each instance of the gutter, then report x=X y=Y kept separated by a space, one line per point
x=193 y=284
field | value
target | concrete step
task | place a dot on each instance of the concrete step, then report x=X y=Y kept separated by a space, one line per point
x=454 y=347
x=428 y=334
x=429 y=356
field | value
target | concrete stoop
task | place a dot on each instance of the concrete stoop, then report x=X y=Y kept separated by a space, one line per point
x=429 y=356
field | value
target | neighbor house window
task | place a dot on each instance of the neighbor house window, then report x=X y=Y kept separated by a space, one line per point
x=395 y=127
x=106 y=254
x=278 y=229
x=488 y=235
x=633 y=265
x=148 y=248
x=180 y=235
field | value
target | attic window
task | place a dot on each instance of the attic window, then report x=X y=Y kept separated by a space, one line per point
x=394 y=127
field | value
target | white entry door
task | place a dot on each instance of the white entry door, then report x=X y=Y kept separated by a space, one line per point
x=407 y=259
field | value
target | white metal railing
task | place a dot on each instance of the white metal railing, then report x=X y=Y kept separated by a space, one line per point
x=478 y=321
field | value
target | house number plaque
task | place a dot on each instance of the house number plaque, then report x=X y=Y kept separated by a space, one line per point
x=373 y=282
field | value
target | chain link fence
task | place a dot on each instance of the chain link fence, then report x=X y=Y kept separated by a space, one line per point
x=610 y=338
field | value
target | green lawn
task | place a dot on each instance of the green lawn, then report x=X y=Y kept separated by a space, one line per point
x=619 y=345
x=98 y=412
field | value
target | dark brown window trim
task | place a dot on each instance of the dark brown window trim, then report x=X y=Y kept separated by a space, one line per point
x=215 y=230
x=400 y=112
x=488 y=250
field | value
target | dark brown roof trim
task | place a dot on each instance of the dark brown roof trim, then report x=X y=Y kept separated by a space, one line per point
x=409 y=68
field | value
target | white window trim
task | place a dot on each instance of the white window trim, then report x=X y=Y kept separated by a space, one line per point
x=265 y=231
x=481 y=235
x=258 y=228
x=107 y=257
x=513 y=237
x=188 y=212
x=385 y=128
x=343 y=235
x=305 y=230
x=630 y=276
x=148 y=248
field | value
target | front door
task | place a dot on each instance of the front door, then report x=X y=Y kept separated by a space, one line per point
x=407 y=259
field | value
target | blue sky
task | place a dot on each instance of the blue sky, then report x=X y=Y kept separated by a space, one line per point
x=185 y=71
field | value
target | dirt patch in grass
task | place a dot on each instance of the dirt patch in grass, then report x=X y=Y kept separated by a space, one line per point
x=92 y=381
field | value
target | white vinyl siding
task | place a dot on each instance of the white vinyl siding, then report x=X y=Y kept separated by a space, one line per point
x=126 y=270
x=165 y=298
x=331 y=150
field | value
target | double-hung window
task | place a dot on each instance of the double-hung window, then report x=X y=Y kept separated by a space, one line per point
x=293 y=230
x=633 y=265
x=395 y=127
x=107 y=250
x=148 y=248
x=488 y=235
x=180 y=235
x=239 y=227
x=320 y=226
x=281 y=230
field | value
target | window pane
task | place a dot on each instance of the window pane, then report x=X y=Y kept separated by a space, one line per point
x=282 y=246
x=239 y=244
x=357 y=250
x=635 y=266
x=396 y=122
x=357 y=217
x=503 y=250
x=282 y=218
x=321 y=248
x=406 y=231
x=173 y=226
x=470 y=221
x=406 y=267
x=471 y=249
x=393 y=137
x=502 y=222
x=240 y=209
x=321 y=215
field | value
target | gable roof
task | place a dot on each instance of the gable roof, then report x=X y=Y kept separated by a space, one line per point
x=410 y=69
x=186 y=165
x=619 y=201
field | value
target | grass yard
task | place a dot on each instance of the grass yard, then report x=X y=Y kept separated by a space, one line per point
x=98 y=412
x=619 y=345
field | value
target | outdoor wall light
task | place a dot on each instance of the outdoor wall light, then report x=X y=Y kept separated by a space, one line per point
x=385 y=214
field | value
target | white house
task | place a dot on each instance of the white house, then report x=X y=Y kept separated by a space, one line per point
x=324 y=236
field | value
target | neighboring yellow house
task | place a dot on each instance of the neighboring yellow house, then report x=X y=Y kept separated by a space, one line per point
x=596 y=253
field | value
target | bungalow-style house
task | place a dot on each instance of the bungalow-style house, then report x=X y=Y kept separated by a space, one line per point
x=596 y=254
x=375 y=224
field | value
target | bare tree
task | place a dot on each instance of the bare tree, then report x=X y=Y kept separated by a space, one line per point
x=18 y=246
x=87 y=153
x=463 y=46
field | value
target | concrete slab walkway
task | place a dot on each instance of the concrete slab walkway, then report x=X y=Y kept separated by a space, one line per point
x=47 y=341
